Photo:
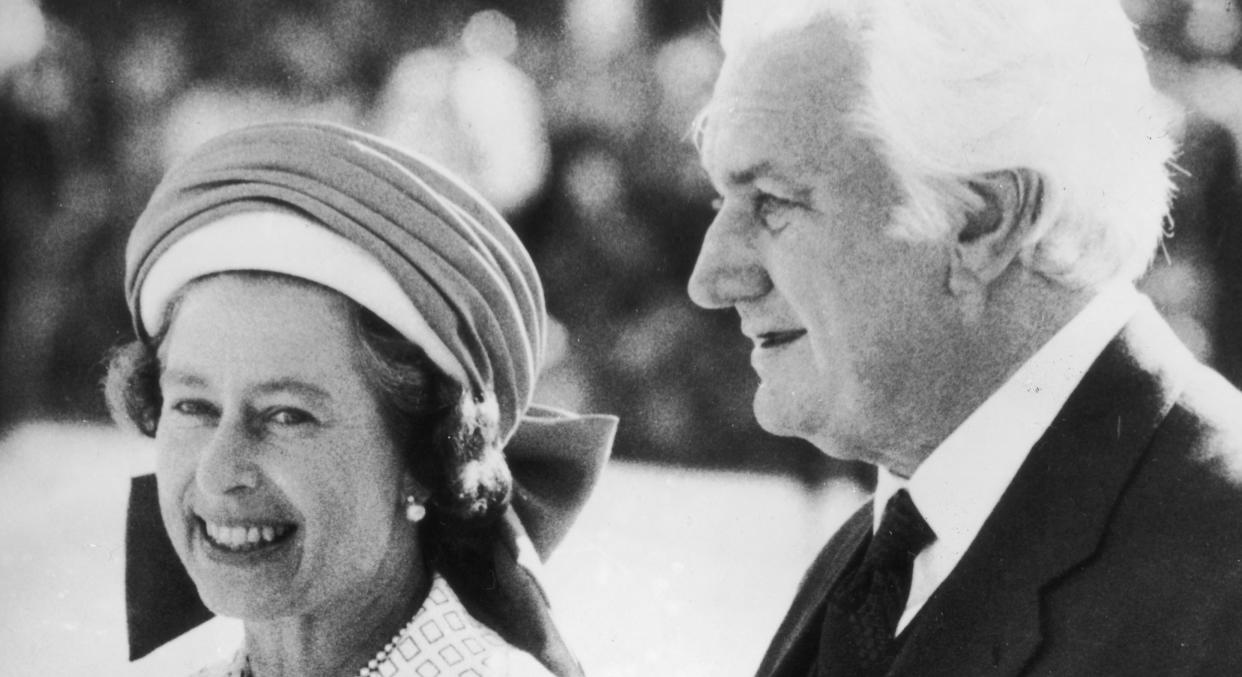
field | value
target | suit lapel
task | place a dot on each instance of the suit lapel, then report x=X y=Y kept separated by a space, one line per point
x=985 y=617
x=796 y=643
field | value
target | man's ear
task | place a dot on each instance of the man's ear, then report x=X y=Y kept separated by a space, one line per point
x=991 y=237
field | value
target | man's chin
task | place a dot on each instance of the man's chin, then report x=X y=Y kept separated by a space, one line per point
x=785 y=418
x=792 y=416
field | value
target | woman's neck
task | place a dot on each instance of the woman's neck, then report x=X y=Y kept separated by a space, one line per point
x=339 y=639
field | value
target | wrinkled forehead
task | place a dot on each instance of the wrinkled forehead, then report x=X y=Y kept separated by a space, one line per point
x=807 y=81
x=823 y=55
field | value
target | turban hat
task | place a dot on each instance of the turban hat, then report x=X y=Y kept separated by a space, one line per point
x=473 y=299
x=399 y=236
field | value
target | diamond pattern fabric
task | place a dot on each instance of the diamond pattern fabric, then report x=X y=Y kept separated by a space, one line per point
x=442 y=640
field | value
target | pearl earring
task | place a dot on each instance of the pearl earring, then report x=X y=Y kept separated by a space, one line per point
x=414 y=511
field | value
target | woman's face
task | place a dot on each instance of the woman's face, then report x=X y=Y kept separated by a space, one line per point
x=279 y=485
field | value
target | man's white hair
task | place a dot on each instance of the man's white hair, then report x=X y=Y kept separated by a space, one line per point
x=954 y=89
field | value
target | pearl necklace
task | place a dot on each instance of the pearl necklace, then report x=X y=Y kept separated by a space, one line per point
x=372 y=668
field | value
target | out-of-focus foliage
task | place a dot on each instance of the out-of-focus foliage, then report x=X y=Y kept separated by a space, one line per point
x=1195 y=51
x=573 y=116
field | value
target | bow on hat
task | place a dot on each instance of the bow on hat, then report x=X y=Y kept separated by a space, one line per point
x=431 y=258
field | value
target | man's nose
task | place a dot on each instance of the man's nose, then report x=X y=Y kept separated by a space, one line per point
x=227 y=463
x=729 y=268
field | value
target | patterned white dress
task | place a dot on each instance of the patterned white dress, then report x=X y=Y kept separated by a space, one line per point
x=442 y=640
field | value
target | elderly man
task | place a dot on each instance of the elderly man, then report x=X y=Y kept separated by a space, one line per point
x=931 y=217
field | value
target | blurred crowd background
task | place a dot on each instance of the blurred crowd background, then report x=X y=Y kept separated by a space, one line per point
x=573 y=116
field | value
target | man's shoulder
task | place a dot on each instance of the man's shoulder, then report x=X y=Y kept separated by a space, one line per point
x=1194 y=453
x=1189 y=485
x=1207 y=416
x=1203 y=432
x=1168 y=569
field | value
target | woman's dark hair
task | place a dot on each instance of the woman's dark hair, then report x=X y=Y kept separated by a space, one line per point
x=448 y=441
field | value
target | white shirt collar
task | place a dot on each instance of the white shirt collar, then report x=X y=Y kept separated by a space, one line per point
x=959 y=484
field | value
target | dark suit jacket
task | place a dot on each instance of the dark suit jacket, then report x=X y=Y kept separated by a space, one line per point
x=1116 y=550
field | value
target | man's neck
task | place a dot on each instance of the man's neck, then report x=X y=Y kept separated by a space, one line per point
x=1020 y=316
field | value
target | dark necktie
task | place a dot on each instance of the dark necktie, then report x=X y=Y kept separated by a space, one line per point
x=862 y=611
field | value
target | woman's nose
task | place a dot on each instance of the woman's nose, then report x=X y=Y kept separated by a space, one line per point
x=729 y=268
x=226 y=464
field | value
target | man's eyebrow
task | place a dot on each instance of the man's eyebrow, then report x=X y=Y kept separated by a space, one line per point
x=753 y=174
x=742 y=177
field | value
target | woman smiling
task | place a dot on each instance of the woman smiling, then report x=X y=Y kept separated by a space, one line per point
x=337 y=348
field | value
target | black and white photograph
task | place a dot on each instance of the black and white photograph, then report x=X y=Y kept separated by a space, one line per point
x=617 y=338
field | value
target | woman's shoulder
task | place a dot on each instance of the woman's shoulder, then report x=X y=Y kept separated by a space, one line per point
x=442 y=638
x=234 y=667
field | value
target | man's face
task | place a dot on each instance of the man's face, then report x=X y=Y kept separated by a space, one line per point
x=844 y=318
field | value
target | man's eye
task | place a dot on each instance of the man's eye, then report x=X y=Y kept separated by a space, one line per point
x=287 y=416
x=775 y=212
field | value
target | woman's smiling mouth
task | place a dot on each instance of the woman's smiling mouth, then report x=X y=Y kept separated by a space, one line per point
x=243 y=538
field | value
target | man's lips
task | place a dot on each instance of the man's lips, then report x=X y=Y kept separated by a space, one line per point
x=776 y=339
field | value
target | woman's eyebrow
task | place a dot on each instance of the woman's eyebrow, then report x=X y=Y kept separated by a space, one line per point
x=281 y=385
x=297 y=387
x=183 y=378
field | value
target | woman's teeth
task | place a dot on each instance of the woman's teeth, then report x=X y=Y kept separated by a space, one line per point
x=242 y=538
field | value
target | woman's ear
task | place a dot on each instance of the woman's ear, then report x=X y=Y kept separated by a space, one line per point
x=992 y=236
x=413 y=498
x=412 y=487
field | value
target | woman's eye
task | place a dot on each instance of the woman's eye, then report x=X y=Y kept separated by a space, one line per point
x=290 y=417
x=774 y=212
x=193 y=408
